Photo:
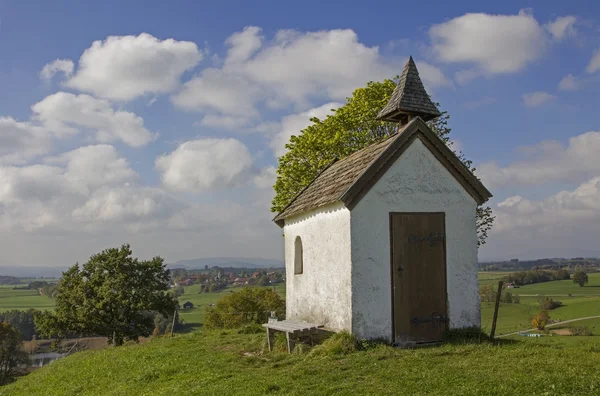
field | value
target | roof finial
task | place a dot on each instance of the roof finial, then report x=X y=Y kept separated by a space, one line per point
x=409 y=99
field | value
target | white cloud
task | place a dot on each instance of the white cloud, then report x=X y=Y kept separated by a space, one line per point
x=65 y=114
x=125 y=67
x=564 y=224
x=547 y=162
x=130 y=204
x=92 y=167
x=580 y=206
x=494 y=44
x=266 y=178
x=22 y=141
x=594 y=64
x=242 y=45
x=293 y=68
x=220 y=91
x=562 y=27
x=537 y=99
x=294 y=123
x=64 y=66
x=204 y=164
x=569 y=83
x=41 y=196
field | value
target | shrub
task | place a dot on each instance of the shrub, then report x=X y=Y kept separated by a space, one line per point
x=580 y=331
x=250 y=305
x=487 y=293
x=548 y=304
x=506 y=297
x=540 y=320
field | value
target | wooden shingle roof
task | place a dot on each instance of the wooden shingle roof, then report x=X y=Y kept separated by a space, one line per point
x=349 y=179
x=409 y=97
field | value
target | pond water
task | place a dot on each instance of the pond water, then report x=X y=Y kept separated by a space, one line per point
x=42 y=359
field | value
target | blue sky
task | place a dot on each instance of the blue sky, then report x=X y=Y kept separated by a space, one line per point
x=159 y=123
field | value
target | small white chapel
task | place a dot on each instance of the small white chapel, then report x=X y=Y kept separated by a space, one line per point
x=383 y=243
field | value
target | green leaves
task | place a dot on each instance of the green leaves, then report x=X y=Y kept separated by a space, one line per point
x=352 y=127
x=113 y=294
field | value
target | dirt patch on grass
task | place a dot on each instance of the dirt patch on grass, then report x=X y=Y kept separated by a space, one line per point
x=562 y=332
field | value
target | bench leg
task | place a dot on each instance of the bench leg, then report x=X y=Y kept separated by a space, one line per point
x=289 y=343
x=269 y=339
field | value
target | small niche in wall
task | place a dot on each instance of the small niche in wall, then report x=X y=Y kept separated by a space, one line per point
x=298 y=260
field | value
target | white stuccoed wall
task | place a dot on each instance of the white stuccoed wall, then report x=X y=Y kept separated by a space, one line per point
x=322 y=293
x=417 y=182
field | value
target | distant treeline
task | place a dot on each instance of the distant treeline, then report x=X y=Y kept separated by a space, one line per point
x=536 y=276
x=541 y=264
x=9 y=280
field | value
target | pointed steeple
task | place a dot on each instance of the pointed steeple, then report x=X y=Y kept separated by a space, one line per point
x=409 y=99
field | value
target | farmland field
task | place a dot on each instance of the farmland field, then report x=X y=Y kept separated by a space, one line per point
x=23 y=299
x=582 y=302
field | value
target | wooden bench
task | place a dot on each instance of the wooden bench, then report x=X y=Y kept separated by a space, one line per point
x=293 y=330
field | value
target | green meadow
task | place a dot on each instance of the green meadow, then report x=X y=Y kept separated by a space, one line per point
x=578 y=302
x=23 y=299
x=226 y=362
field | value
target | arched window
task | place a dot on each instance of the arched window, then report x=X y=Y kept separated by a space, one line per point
x=298 y=264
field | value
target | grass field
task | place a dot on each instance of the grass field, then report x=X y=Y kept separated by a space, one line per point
x=23 y=299
x=228 y=363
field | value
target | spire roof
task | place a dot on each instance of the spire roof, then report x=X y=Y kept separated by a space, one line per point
x=409 y=98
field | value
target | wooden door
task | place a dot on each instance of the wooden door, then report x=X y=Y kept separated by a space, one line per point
x=418 y=276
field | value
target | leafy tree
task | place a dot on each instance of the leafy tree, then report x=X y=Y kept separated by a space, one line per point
x=162 y=324
x=35 y=285
x=548 y=304
x=263 y=281
x=112 y=295
x=540 y=320
x=23 y=321
x=250 y=305
x=580 y=278
x=11 y=354
x=351 y=128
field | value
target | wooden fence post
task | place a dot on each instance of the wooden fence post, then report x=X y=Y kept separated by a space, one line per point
x=493 y=332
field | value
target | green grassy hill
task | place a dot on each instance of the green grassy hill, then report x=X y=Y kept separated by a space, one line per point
x=228 y=363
